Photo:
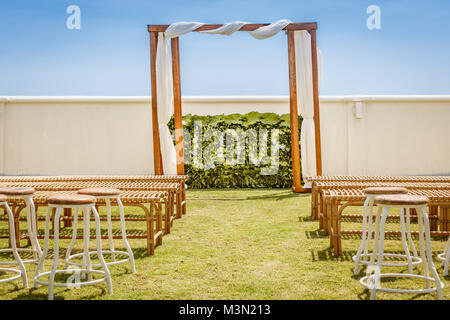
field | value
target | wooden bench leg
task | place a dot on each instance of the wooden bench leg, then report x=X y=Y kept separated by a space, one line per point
x=68 y=217
x=338 y=228
x=183 y=194
x=150 y=231
x=320 y=210
x=335 y=228
x=313 y=203
x=168 y=214
x=158 y=213
x=444 y=217
x=17 y=225
x=332 y=234
x=326 y=217
x=172 y=209
x=179 y=200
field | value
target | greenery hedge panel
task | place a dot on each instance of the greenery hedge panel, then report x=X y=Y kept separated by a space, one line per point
x=247 y=174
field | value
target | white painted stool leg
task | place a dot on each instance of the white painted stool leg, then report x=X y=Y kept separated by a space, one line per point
x=86 y=264
x=124 y=235
x=99 y=250
x=408 y=233
x=426 y=272
x=376 y=244
x=369 y=222
x=376 y=278
x=363 y=237
x=32 y=228
x=46 y=244
x=110 y=234
x=447 y=257
x=74 y=236
x=51 y=280
x=429 y=252
x=14 y=247
x=404 y=243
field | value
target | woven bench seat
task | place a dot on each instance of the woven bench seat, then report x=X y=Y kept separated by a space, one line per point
x=174 y=189
x=318 y=187
x=380 y=178
x=336 y=200
x=158 y=178
x=143 y=182
x=318 y=207
x=140 y=198
x=315 y=191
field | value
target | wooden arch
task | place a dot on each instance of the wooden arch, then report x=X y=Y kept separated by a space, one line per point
x=290 y=28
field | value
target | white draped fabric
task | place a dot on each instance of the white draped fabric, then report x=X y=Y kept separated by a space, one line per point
x=164 y=83
x=227 y=29
x=305 y=102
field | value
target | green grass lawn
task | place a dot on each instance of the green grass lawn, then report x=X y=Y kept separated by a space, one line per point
x=235 y=244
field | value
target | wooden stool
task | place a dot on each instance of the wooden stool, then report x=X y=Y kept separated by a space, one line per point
x=105 y=194
x=22 y=271
x=86 y=203
x=402 y=201
x=445 y=257
x=371 y=193
x=26 y=194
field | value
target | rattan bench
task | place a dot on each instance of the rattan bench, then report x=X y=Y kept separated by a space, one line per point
x=315 y=191
x=174 y=193
x=336 y=200
x=348 y=188
x=180 y=179
x=138 y=190
x=153 y=214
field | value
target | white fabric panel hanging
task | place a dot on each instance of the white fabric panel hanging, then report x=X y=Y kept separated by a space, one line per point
x=180 y=28
x=164 y=86
x=305 y=102
x=227 y=29
x=270 y=30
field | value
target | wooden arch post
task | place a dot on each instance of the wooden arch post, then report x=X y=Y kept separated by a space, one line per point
x=295 y=145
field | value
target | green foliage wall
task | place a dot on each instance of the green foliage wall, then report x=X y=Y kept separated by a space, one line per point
x=245 y=175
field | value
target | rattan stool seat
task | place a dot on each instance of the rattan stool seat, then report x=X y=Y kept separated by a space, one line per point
x=16 y=191
x=401 y=199
x=3 y=198
x=70 y=199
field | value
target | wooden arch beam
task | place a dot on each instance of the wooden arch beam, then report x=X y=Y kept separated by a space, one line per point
x=246 y=27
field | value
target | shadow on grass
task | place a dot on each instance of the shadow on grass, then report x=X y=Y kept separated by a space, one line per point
x=315 y=234
x=59 y=294
x=365 y=294
x=306 y=219
x=328 y=255
x=66 y=233
x=278 y=196
x=141 y=253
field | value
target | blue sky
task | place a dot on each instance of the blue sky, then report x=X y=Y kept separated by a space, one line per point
x=109 y=55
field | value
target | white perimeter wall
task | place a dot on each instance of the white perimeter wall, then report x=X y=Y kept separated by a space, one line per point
x=361 y=135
